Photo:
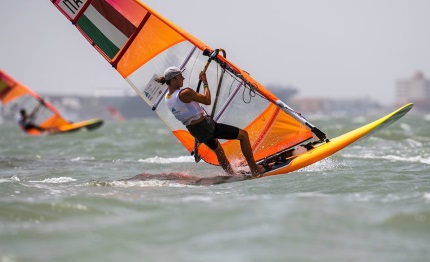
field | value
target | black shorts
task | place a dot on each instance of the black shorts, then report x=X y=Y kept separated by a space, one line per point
x=29 y=126
x=208 y=132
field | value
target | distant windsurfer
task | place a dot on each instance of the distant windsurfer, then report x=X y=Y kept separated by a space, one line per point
x=185 y=106
x=26 y=121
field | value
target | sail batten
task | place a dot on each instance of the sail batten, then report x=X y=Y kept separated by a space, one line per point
x=228 y=102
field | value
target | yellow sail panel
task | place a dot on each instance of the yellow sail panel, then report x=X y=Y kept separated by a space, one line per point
x=274 y=131
x=154 y=38
x=54 y=121
x=9 y=89
x=284 y=133
x=12 y=94
x=260 y=127
x=271 y=132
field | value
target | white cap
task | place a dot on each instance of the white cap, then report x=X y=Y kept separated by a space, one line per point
x=171 y=72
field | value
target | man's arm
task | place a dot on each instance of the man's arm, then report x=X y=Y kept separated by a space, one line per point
x=33 y=113
x=188 y=95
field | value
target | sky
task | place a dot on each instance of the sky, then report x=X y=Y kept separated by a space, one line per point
x=324 y=48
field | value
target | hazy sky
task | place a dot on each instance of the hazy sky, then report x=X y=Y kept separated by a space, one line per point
x=325 y=48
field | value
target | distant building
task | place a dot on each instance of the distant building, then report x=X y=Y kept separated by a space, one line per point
x=283 y=92
x=415 y=90
x=325 y=106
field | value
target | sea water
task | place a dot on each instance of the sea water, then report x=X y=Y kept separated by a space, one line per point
x=70 y=198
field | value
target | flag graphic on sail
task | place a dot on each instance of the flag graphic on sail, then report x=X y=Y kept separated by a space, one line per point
x=141 y=44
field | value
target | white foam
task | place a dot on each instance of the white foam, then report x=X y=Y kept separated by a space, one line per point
x=413 y=159
x=161 y=160
x=427 y=197
x=311 y=194
x=414 y=143
x=205 y=199
x=10 y=179
x=405 y=127
x=68 y=205
x=362 y=197
x=81 y=159
x=127 y=184
x=8 y=258
x=323 y=165
x=56 y=180
x=359 y=120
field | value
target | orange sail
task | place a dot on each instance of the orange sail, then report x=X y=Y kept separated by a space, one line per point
x=141 y=44
x=16 y=96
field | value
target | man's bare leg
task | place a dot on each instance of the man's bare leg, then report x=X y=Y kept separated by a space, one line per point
x=223 y=161
x=245 y=145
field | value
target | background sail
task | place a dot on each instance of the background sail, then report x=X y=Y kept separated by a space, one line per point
x=141 y=44
x=15 y=96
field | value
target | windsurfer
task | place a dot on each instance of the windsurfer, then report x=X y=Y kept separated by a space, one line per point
x=185 y=106
x=26 y=121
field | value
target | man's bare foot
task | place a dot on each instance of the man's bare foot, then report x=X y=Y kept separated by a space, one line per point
x=259 y=172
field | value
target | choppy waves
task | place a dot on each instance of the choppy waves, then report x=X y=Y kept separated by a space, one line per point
x=163 y=160
x=368 y=202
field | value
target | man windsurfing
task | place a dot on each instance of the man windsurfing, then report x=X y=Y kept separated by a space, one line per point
x=185 y=106
x=26 y=121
